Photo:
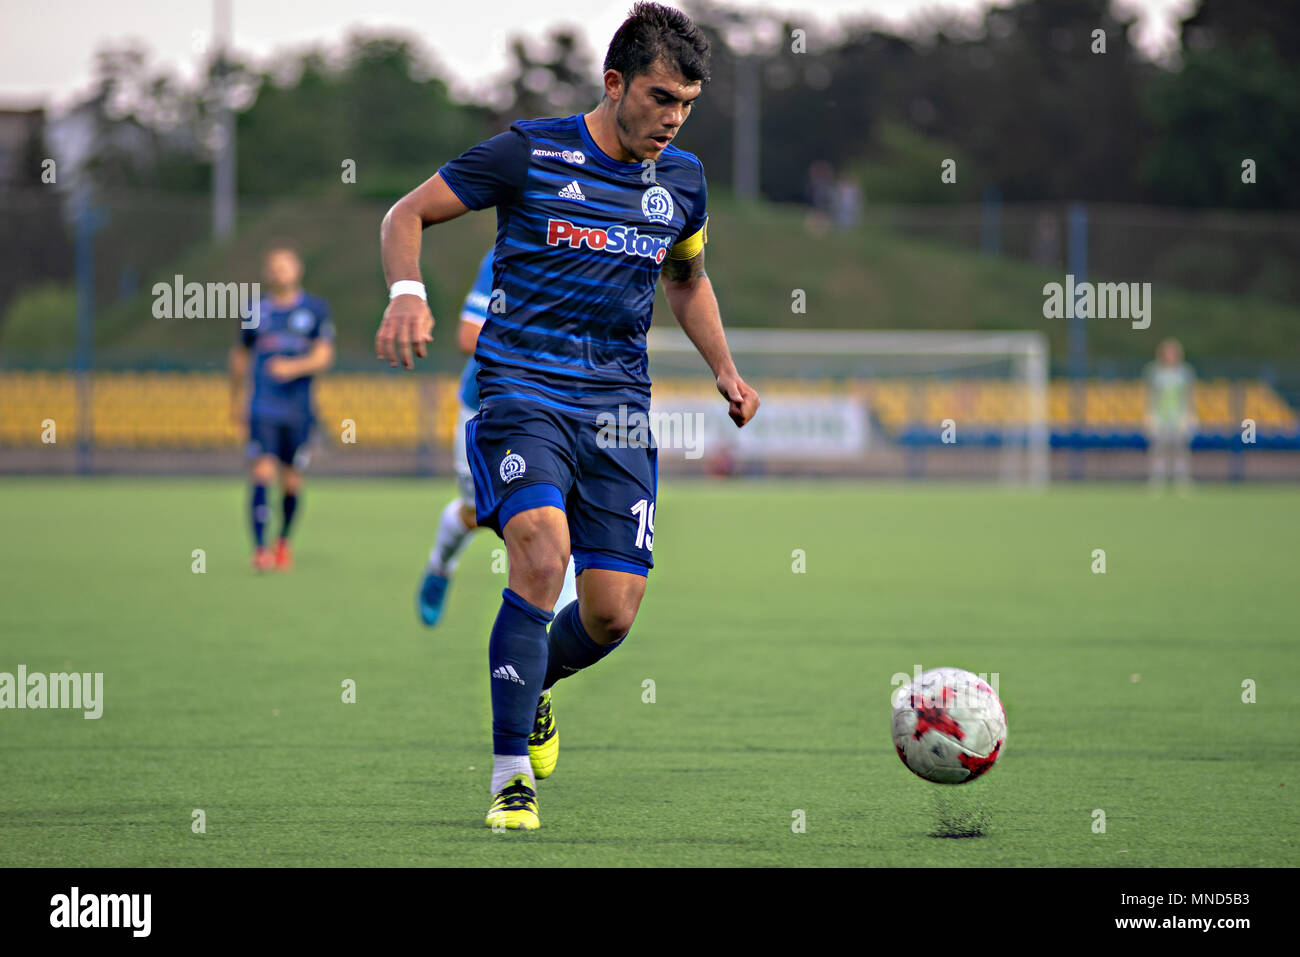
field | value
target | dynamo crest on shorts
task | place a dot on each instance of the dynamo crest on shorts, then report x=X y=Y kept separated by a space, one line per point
x=512 y=466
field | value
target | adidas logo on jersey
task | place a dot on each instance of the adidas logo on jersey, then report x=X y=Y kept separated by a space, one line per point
x=572 y=191
x=508 y=673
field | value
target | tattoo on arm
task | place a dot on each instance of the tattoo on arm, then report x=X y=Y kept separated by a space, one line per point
x=684 y=270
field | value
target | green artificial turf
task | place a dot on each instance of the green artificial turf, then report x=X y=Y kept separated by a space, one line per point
x=222 y=690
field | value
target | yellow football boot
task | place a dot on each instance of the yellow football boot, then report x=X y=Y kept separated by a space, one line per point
x=544 y=742
x=515 y=806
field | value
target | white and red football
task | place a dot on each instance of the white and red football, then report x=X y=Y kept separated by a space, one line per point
x=949 y=726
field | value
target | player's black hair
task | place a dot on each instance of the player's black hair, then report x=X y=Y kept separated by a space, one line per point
x=281 y=245
x=652 y=32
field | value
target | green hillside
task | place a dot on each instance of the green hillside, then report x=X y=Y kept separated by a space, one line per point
x=867 y=278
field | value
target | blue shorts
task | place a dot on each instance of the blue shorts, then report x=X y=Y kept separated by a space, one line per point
x=526 y=455
x=287 y=439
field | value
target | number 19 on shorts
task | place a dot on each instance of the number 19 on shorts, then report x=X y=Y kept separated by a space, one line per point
x=644 y=510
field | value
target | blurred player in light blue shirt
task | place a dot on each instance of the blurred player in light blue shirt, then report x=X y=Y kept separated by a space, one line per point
x=458 y=521
x=1170 y=413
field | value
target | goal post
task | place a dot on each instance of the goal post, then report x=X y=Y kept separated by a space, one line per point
x=910 y=404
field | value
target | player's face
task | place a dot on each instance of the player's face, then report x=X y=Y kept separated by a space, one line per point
x=283 y=269
x=652 y=109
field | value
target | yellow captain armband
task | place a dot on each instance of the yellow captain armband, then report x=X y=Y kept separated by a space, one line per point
x=690 y=247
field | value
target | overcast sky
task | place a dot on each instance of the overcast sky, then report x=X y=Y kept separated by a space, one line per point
x=47 y=46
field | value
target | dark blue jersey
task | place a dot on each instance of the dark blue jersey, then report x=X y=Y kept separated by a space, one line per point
x=581 y=239
x=285 y=331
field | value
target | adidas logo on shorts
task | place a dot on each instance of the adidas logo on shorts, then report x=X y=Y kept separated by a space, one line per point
x=508 y=672
x=572 y=191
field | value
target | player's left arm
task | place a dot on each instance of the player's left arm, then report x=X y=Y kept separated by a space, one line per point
x=238 y=366
x=690 y=296
x=467 y=334
x=317 y=360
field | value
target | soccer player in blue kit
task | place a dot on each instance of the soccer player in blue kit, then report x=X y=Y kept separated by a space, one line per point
x=592 y=210
x=291 y=342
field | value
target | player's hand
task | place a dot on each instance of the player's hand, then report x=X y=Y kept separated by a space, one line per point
x=742 y=401
x=237 y=417
x=407 y=326
x=281 y=369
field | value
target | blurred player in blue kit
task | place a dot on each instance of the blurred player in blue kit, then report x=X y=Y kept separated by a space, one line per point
x=291 y=342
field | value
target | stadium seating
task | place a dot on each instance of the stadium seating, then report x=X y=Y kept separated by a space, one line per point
x=185 y=410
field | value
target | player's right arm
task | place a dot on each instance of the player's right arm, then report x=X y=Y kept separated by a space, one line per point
x=238 y=367
x=407 y=323
x=488 y=174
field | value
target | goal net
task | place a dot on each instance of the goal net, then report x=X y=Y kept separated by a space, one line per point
x=889 y=404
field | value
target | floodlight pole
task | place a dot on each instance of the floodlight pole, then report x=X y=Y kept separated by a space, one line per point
x=223 y=165
x=88 y=221
x=1078 y=334
x=745 y=133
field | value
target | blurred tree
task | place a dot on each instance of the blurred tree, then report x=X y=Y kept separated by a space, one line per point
x=804 y=87
x=1035 y=107
x=1019 y=97
x=1240 y=23
x=558 y=77
x=1235 y=97
x=1224 y=106
x=292 y=131
x=143 y=128
x=383 y=108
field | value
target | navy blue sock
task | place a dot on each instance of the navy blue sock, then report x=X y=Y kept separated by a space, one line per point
x=571 y=648
x=258 y=509
x=517 y=660
x=288 y=505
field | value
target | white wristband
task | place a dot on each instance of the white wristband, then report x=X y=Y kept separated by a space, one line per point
x=407 y=287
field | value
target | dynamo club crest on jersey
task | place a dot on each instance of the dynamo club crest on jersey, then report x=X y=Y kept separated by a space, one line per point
x=512 y=466
x=657 y=205
x=300 y=320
